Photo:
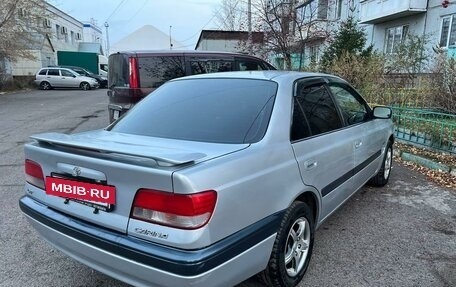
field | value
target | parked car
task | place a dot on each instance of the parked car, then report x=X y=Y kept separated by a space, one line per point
x=209 y=180
x=56 y=77
x=102 y=81
x=133 y=75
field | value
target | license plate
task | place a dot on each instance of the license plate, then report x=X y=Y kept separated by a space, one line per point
x=116 y=114
x=103 y=195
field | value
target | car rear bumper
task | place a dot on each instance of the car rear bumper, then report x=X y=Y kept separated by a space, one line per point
x=142 y=263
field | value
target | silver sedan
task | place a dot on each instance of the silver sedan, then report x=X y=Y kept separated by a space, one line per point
x=210 y=179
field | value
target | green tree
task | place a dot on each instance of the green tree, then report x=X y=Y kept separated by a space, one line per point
x=349 y=39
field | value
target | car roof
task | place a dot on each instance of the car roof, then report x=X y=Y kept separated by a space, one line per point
x=275 y=75
x=181 y=52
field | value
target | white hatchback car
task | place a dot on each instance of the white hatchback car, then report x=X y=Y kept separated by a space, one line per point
x=48 y=78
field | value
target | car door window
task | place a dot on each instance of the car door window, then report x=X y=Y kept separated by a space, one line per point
x=66 y=73
x=203 y=66
x=53 y=72
x=43 y=72
x=354 y=110
x=314 y=111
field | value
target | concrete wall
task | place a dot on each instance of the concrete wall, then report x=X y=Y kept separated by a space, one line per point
x=219 y=45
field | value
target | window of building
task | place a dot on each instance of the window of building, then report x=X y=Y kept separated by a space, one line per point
x=322 y=9
x=313 y=51
x=448 y=31
x=394 y=37
x=312 y=10
x=72 y=37
x=339 y=9
x=57 y=31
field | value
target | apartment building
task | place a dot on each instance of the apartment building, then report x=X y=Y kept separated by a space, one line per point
x=386 y=23
x=313 y=21
x=63 y=33
x=320 y=18
x=390 y=21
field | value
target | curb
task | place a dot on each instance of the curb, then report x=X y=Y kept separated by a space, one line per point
x=428 y=163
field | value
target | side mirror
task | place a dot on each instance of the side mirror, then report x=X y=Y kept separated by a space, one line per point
x=382 y=112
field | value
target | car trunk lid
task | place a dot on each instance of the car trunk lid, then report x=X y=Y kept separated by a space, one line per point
x=124 y=162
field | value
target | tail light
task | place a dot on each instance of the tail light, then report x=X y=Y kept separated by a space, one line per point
x=34 y=174
x=176 y=210
x=134 y=77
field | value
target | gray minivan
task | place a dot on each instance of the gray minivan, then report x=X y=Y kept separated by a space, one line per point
x=133 y=75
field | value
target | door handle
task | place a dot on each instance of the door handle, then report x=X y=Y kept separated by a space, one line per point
x=310 y=164
x=358 y=144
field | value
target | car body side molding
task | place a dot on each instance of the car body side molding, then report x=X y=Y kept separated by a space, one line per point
x=333 y=185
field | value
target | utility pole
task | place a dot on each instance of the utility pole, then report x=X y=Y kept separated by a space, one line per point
x=170 y=42
x=107 y=38
x=249 y=16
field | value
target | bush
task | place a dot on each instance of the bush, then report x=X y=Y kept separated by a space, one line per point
x=444 y=82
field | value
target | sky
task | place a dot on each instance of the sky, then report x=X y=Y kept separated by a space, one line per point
x=187 y=17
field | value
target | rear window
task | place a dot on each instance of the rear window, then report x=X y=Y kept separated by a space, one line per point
x=207 y=110
x=155 y=71
x=43 y=72
x=118 y=75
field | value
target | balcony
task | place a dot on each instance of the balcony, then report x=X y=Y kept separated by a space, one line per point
x=313 y=31
x=378 y=11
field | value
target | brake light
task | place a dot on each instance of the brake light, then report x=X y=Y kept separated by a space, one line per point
x=134 y=77
x=34 y=173
x=176 y=210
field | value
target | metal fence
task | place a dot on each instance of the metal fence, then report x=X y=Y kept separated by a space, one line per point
x=426 y=127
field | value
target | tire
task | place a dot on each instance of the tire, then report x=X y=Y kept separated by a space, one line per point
x=292 y=248
x=85 y=86
x=45 y=85
x=382 y=177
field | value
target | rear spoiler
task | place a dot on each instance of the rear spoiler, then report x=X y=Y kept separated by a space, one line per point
x=163 y=157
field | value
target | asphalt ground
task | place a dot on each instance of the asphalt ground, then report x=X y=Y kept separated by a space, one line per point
x=401 y=235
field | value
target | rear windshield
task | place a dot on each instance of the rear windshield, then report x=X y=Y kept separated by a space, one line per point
x=207 y=110
x=118 y=71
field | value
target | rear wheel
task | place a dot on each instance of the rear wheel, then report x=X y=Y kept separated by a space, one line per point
x=382 y=177
x=292 y=249
x=85 y=86
x=45 y=86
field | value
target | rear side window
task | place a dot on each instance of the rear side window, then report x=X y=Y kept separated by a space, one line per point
x=53 y=72
x=249 y=65
x=204 y=66
x=43 y=72
x=155 y=71
x=206 y=110
x=314 y=111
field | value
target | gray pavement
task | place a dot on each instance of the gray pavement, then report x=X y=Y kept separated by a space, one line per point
x=400 y=235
